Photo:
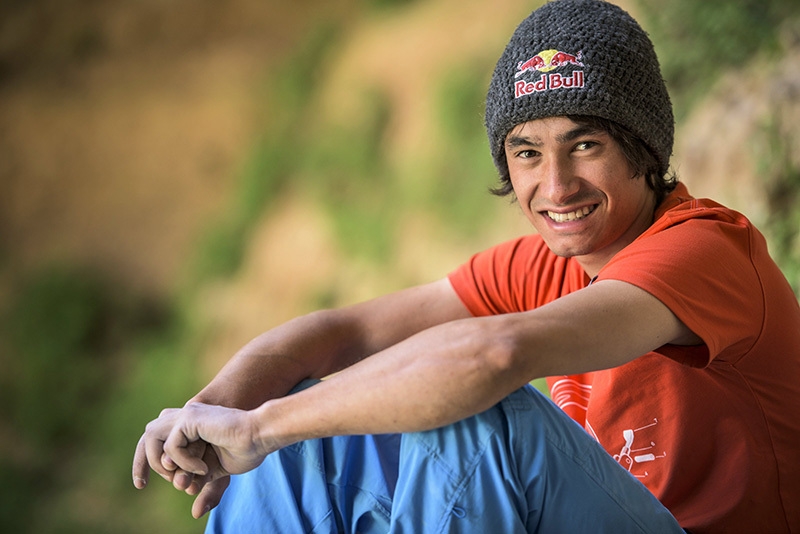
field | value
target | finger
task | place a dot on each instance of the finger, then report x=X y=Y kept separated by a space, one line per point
x=215 y=471
x=184 y=480
x=154 y=450
x=181 y=480
x=141 y=469
x=186 y=451
x=150 y=448
x=168 y=463
x=210 y=496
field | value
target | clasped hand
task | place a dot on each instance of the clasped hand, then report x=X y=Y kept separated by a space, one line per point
x=197 y=448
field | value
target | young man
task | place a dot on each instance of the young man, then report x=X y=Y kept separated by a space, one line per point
x=669 y=335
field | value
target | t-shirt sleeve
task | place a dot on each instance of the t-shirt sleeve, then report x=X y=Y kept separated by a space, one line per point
x=484 y=283
x=702 y=270
x=515 y=276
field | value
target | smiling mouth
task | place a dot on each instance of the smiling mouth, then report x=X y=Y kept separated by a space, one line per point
x=572 y=215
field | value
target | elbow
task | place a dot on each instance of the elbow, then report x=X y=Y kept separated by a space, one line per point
x=506 y=359
x=501 y=353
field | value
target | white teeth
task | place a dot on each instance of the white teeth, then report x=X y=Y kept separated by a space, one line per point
x=571 y=216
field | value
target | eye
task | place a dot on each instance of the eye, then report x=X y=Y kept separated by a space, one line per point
x=585 y=145
x=526 y=154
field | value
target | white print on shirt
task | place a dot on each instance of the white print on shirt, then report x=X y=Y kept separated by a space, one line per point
x=569 y=392
x=628 y=456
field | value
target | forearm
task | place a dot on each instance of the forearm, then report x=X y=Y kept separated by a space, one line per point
x=460 y=368
x=323 y=343
x=270 y=365
x=434 y=378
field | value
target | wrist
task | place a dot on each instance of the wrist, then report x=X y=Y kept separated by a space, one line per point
x=272 y=426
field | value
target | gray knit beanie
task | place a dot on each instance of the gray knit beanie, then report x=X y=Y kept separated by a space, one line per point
x=580 y=57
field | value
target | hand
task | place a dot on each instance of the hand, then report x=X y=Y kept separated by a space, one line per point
x=196 y=448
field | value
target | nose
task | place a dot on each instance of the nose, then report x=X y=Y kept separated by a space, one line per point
x=558 y=181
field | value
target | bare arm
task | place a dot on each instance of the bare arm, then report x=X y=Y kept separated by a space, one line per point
x=322 y=343
x=268 y=367
x=456 y=367
x=460 y=368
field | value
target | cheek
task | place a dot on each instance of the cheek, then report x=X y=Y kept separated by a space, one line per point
x=519 y=188
x=522 y=178
x=629 y=200
x=524 y=199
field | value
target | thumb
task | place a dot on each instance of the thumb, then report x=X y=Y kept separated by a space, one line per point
x=210 y=496
x=183 y=449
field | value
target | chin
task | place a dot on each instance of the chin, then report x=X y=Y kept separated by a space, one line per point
x=568 y=250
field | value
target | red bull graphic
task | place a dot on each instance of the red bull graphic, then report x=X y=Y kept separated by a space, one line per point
x=562 y=58
x=544 y=62
x=535 y=63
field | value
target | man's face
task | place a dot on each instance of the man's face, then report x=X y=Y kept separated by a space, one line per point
x=577 y=188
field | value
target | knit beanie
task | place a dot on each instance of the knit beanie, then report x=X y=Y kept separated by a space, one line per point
x=580 y=57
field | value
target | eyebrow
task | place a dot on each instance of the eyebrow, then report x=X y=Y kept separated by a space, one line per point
x=516 y=141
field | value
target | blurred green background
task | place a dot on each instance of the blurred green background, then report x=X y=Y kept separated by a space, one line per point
x=176 y=177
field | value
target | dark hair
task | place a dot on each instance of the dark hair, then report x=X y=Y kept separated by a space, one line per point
x=640 y=157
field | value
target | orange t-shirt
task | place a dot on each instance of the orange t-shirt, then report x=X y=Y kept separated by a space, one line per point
x=713 y=431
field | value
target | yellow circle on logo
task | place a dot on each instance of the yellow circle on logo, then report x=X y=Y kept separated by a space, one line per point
x=547 y=56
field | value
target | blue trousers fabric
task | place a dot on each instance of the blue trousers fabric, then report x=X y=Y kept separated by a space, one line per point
x=521 y=466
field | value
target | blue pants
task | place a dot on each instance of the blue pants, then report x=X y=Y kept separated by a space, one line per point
x=521 y=466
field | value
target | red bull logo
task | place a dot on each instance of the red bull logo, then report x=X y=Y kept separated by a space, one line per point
x=544 y=62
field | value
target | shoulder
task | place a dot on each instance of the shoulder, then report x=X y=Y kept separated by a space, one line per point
x=700 y=258
x=517 y=275
x=680 y=207
x=694 y=243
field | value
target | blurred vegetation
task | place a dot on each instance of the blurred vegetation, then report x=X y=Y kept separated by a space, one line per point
x=698 y=41
x=87 y=365
x=68 y=334
x=781 y=175
x=383 y=4
x=270 y=165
